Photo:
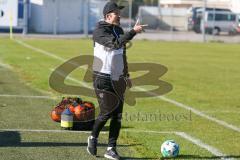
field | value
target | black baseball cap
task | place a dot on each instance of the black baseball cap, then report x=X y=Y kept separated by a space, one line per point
x=111 y=6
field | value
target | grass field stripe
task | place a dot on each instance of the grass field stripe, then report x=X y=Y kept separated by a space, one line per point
x=187 y=137
x=199 y=143
x=26 y=96
x=199 y=113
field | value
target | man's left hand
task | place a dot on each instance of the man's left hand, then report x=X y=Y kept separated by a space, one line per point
x=129 y=82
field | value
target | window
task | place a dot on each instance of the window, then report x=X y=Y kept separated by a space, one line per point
x=20 y=9
x=221 y=17
x=232 y=17
x=210 y=17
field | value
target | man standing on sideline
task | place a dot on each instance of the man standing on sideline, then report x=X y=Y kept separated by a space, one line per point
x=110 y=76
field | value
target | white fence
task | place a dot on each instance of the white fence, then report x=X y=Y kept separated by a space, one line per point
x=164 y=18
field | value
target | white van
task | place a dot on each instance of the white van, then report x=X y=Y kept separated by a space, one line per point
x=220 y=21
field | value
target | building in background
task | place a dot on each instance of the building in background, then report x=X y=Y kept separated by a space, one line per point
x=52 y=16
x=81 y=16
x=194 y=3
x=233 y=5
x=61 y=16
x=11 y=13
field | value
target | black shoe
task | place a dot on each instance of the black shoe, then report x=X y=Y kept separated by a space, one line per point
x=112 y=154
x=92 y=146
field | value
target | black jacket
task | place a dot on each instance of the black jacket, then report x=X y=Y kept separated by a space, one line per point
x=113 y=37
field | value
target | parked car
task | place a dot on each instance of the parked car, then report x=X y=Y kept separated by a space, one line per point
x=219 y=21
x=194 y=18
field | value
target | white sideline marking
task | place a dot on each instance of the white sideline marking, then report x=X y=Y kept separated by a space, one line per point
x=74 y=80
x=5 y=65
x=232 y=112
x=187 y=137
x=201 y=114
x=43 y=52
x=25 y=96
x=39 y=50
x=199 y=143
x=197 y=112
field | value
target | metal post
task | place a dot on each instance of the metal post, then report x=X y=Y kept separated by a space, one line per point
x=56 y=17
x=159 y=14
x=203 y=20
x=172 y=22
x=130 y=14
x=25 y=17
x=85 y=18
x=11 y=25
x=213 y=26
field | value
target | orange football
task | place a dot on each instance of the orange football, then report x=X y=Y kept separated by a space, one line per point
x=71 y=108
x=79 y=112
x=88 y=104
x=56 y=114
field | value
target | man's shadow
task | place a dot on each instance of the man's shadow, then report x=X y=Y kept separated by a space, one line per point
x=13 y=139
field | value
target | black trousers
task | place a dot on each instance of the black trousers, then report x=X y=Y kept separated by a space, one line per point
x=110 y=98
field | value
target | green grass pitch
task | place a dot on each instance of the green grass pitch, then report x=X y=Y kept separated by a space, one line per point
x=204 y=76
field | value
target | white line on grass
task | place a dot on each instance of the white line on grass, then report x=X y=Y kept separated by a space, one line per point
x=40 y=50
x=187 y=137
x=73 y=79
x=25 y=96
x=232 y=112
x=184 y=135
x=199 y=143
x=197 y=112
x=181 y=105
x=5 y=65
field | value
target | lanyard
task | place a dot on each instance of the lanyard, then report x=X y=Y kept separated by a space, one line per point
x=115 y=32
